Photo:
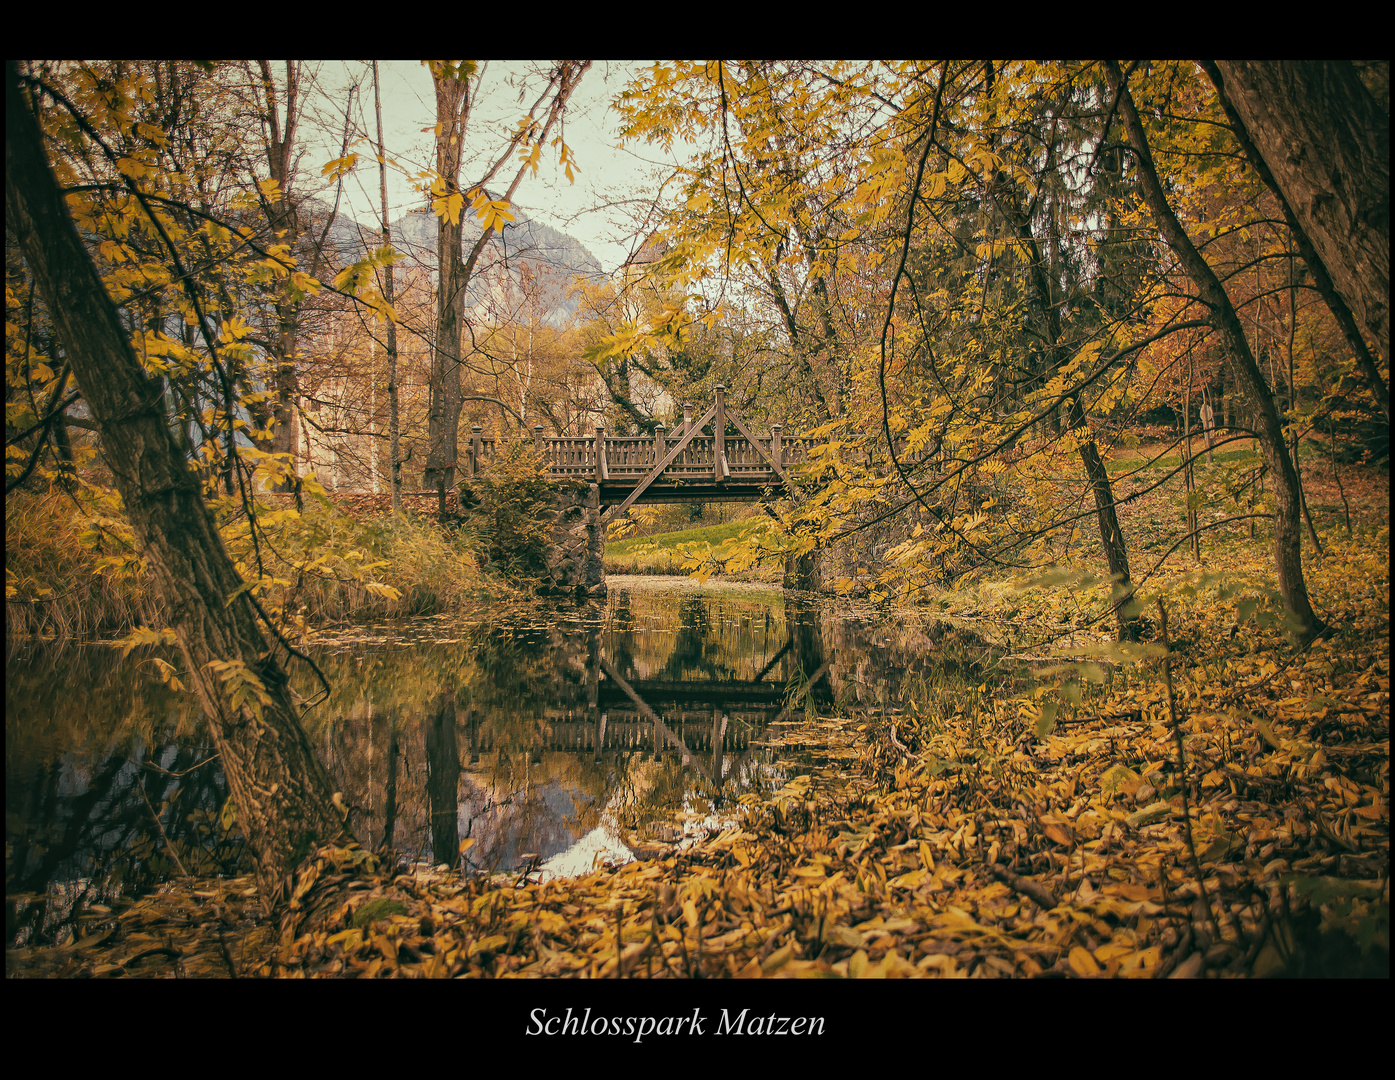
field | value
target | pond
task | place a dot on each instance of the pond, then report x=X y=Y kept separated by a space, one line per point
x=541 y=746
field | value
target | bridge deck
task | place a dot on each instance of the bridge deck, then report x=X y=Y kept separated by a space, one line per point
x=683 y=466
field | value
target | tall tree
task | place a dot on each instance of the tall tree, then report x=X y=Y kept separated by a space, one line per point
x=390 y=295
x=453 y=107
x=1240 y=359
x=1045 y=315
x=278 y=135
x=286 y=215
x=281 y=791
x=1327 y=145
x=772 y=203
x=443 y=420
x=1366 y=188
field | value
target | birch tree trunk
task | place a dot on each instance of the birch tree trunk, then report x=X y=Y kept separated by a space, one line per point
x=390 y=295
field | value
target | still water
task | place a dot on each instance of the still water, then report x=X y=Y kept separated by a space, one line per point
x=565 y=738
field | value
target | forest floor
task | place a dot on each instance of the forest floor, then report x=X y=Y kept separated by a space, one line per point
x=1337 y=495
x=1234 y=825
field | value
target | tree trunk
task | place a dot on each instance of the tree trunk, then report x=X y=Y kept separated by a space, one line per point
x=452 y=114
x=282 y=218
x=390 y=295
x=1244 y=370
x=443 y=415
x=63 y=446
x=1327 y=145
x=281 y=791
x=1047 y=315
x=1111 y=536
x=798 y=348
x=1322 y=279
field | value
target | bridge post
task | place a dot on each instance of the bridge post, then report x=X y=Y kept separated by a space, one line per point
x=719 y=431
x=475 y=430
x=660 y=446
x=594 y=578
x=719 y=729
x=687 y=417
x=539 y=444
x=601 y=472
x=776 y=450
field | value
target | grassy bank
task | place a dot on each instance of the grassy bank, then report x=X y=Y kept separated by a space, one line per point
x=54 y=584
x=70 y=573
x=662 y=553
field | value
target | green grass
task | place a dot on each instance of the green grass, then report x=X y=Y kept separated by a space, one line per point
x=659 y=554
x=1121 y=464
x=713 y=534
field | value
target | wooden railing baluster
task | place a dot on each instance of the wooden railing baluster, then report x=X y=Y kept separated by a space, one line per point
x=699 y=464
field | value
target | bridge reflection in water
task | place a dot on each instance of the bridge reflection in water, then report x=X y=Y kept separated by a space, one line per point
x=707 y=724
x=634 y=708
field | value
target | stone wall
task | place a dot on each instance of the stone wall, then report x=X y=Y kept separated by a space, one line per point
x=575 y=553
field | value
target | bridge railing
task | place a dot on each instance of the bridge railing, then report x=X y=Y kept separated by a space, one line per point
x=630 y=455
x=609 y=458
x=569 y=456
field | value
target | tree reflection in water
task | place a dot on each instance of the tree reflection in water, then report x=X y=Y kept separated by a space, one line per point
x=511 y=738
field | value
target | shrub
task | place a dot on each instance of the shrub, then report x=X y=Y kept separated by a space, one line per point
x=510 y=499
x=70 y=571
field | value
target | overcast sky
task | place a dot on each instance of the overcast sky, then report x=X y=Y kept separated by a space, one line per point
x=612 y=189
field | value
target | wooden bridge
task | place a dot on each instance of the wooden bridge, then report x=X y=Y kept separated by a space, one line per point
x=683 y=466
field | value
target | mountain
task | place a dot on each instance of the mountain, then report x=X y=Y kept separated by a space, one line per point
x=548 y=254
x=415 y=235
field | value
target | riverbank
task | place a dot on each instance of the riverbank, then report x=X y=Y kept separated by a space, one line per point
x=682 y=584
x=71 y=574
x=1238 y=826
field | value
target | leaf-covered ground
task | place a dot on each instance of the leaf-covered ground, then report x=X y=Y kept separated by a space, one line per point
x=955 y=849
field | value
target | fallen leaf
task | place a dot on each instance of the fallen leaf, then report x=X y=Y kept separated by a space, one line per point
x=1082 y=963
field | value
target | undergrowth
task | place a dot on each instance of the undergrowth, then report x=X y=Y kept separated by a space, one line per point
x=53 y=587
x=71 y=573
